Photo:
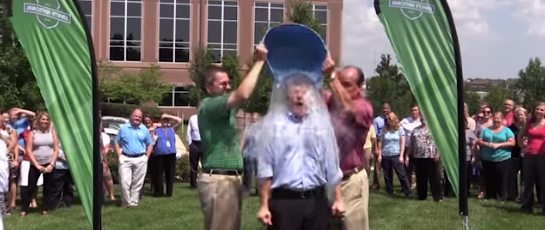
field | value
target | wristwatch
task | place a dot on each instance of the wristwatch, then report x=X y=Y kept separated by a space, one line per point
x=332 y=76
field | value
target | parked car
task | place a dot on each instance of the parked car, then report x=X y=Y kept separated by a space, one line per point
x=113 y=123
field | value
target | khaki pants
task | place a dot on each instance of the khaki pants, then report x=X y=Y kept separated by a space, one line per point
x=132 y=172
x=355 y=191
x=221 y=201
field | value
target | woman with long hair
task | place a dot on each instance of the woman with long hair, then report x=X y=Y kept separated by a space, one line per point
x=42 y=148
x=106 y=173
x=426 y=161
x=471 y=142
x=533 y=162
x=391 y=147
x=148 y=122
x=484 y=122
x=13 y=159
x=496 y=143
x=6 y=141
x=516 y=154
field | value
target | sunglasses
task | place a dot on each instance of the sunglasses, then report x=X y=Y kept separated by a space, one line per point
x=487 y=112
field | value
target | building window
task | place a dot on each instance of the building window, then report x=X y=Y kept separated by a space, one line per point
x=174 y=30
x=178 y=97
x=266 y=15
x=87 y=8
x=222 y=28
x=125 y=30
x=321 y=13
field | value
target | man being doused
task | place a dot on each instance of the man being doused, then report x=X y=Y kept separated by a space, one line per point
x=298 y=160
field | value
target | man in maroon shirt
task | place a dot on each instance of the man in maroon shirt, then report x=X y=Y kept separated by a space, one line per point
x=351 y=116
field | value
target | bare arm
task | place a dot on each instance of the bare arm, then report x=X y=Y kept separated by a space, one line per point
x=55 y=149
x=175 y=121
x=265 y=193
x=12 y=146
x=402 y=147
x=509 y=143
x=29 y=113
x=247 y=86
x=29 y=145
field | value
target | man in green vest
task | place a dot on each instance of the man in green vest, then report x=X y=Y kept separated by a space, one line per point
x=220 y=184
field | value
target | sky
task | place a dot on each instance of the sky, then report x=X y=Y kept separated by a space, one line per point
x=497 y=37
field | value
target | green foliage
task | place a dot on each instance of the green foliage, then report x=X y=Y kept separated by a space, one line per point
x=259 y=100
x=201 y=61
x=496 y=97
x=18 y=87
x=301 y=12
x=145 y=86
x=531 y=83
x=232 y=67
x=473 y=101
x=125 y=110
x=390 y=86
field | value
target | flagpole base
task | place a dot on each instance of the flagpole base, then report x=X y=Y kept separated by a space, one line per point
x=465 y=222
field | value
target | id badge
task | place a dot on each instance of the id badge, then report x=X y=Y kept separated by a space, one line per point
x=168 y=144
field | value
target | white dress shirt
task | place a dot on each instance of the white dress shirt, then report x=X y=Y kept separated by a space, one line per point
x=192 y=133
x=409 y=124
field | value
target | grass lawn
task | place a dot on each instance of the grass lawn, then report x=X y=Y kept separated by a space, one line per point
x=182 y=211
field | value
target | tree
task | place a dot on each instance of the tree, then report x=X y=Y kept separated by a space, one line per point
x=232 y=67
x=531 y=83
x=301 y=12
x=18 y=87
x=201 y=61
x=496 y=97
x=390 y=86
x=147 y=85
x=473 y=101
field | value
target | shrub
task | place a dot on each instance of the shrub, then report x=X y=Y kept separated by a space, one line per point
x=125 y=110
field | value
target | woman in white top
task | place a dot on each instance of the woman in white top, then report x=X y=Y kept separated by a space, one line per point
x=106 y=173
x=409 y=124
x=5 y=141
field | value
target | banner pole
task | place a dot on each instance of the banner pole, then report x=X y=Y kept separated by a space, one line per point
x=462 y=166
x=98 y=195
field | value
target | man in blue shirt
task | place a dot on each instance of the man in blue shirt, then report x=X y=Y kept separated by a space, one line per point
x=298 y=161
x=133 y=145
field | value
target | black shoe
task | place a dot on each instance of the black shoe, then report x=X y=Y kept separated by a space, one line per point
x=526 y=211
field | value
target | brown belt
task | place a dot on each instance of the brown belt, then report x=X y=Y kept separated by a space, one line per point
x=349 y=173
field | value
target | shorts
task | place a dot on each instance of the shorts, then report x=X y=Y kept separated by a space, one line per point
x=106 y=173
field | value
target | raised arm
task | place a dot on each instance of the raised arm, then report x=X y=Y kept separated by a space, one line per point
x=175 y=121
x=247 y=86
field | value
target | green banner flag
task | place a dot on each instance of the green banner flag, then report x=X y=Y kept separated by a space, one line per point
x=424 y=40
x=56 y=41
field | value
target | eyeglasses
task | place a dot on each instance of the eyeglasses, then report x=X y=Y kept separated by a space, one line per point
x=480 y=117
x=487 y=112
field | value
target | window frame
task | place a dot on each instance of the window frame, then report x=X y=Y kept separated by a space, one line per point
x=173 y=92
x=314 y=9
x=125 y=17
x=175 y=4
x=87 y=16
x=269 y=22
x=222 y=44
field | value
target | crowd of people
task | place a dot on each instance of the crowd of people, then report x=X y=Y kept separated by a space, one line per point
x=34 y=157
x=312 y=172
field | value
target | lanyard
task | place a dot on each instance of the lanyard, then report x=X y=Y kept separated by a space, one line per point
x=166 y=132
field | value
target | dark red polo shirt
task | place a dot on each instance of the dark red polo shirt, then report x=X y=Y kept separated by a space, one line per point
x=350 y=130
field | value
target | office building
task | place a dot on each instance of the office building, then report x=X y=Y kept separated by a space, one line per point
x=133 y=34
